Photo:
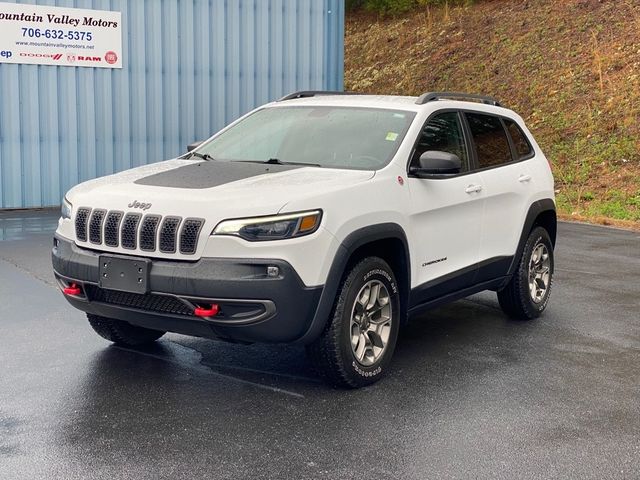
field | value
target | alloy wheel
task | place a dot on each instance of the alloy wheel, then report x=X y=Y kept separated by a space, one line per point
x=370 y=327
x=539 y=272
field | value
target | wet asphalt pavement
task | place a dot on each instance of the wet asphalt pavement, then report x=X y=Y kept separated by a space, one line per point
x=471 y=394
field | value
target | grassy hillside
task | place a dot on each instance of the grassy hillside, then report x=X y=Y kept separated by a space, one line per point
x=570 y=68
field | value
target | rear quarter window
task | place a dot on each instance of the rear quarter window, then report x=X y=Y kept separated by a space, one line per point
x=520 y=142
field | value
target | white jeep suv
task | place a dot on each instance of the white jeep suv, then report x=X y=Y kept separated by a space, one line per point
x=324 y=219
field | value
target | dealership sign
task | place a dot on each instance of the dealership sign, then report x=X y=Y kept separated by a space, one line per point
x=73 y=37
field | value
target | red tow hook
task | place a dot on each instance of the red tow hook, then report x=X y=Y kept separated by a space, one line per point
x=72 y=289
x=207 y=312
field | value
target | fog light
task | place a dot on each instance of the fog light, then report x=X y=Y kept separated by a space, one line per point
x=273 y=271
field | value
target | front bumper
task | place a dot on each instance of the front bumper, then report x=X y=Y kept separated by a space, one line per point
x=254 y=307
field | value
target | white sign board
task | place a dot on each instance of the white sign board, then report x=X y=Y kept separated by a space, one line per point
x=74 y=37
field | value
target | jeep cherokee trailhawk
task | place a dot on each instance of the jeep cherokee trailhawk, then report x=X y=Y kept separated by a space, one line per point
x=324 y=219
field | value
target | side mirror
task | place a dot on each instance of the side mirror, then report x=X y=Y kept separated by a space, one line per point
x=193 y=146
x=434 y=163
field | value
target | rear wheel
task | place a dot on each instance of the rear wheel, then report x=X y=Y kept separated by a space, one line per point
x=122 y=333
x=527 y=294
x=357 y=345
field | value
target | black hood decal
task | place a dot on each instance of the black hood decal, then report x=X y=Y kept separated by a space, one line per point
x=209 y=174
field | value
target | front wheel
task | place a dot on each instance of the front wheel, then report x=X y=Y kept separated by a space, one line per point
x=527 y=294
x=358 y=342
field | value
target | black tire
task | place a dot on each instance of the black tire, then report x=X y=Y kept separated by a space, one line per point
x=332 y=353
x=122 y=333
x=516 y=299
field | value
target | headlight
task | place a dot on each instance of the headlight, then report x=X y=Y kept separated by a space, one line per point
x=66 y=208
x=276 y=227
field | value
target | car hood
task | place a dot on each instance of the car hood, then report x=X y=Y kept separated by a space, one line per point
x=212 y=190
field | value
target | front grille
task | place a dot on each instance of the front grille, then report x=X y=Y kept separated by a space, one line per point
x=95 y=226
x=81 y=223
x=149 y=302
x=148 y=232
x=189 y=235
x=132 y=231
x=112 y=229
x=168 y=233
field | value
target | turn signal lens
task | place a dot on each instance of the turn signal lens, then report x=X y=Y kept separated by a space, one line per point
x=308 y=223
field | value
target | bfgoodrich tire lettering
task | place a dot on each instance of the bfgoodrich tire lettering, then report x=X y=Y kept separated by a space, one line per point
x=357 y=345
x=527 y=294
x=122 y=333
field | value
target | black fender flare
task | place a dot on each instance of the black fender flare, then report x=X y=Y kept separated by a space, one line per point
x=353 y=241
x=538 y=207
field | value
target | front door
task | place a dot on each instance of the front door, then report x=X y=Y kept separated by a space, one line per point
x=446 y=215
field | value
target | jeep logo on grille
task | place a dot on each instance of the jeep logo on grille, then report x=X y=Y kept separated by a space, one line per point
x=140 y=205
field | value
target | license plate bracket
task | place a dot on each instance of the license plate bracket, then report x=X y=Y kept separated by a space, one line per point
x=124 y=274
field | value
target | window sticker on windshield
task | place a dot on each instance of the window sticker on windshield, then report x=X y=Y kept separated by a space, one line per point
x=392 y=136
x=398 y=115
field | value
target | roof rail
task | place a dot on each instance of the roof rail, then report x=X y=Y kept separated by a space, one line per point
x=312 y=93
x=431 y=96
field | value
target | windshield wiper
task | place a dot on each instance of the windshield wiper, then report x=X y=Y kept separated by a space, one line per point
x=204 y=156
x=277 y=161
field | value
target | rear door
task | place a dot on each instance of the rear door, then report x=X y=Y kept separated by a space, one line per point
x=446 y=214
x=503 y=165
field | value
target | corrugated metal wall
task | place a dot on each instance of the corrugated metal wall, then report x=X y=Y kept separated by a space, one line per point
x=190 y=67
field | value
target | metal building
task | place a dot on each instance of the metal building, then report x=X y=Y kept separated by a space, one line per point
x=189 y=68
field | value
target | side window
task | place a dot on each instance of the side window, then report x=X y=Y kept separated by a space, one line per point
x=490 y=139
x=443 y=133
x=520 y=142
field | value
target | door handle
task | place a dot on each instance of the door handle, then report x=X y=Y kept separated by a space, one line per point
x=473 y=188
x=524 y=178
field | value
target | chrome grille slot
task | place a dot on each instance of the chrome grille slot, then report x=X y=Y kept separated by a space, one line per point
x=95 y=226
x=129 y=232
x=112 y=229
x=148 y=232
x=189 y=235
x=168 y=234
x=81 y=223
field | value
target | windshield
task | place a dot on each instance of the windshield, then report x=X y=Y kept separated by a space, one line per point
x=331 y=137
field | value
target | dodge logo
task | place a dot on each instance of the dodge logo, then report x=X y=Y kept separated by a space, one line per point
x=140 y=205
